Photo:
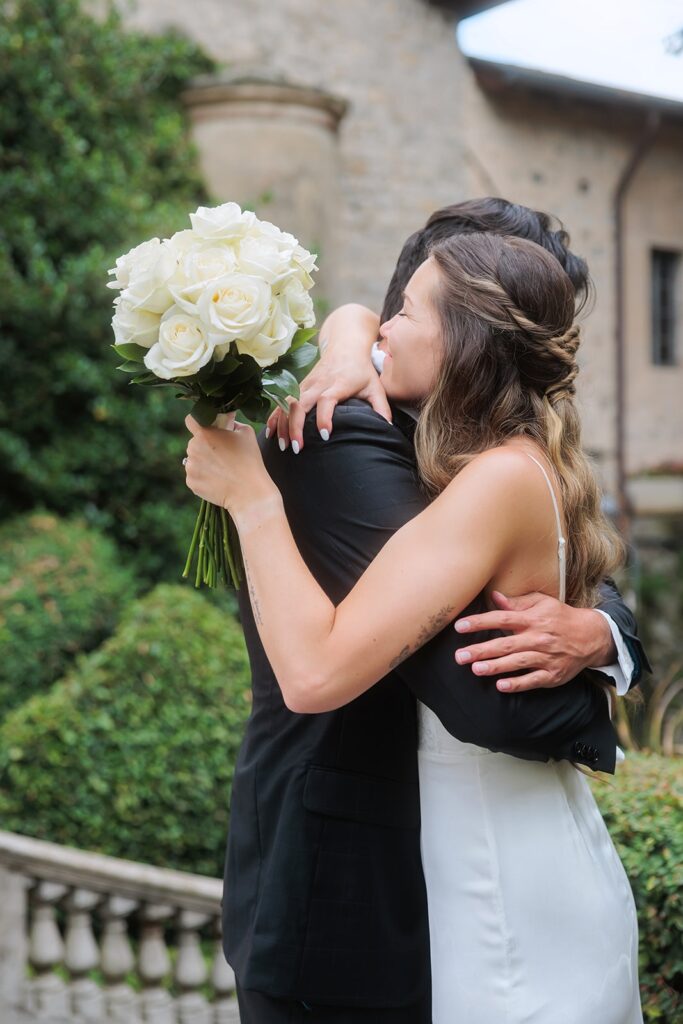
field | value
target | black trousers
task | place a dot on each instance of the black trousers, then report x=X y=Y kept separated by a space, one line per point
x=256 y=1008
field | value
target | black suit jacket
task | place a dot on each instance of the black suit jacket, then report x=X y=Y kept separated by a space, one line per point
x=324 y=893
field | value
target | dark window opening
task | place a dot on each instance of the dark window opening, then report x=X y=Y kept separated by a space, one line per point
x=665 y=266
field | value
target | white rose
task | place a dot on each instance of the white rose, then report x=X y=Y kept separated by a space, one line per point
x=150 y=277
x=227 y=221
x=134 y=326
x=183 y=346
x=235 y=306
x=304 y=265
x=283 y=239
x=305 y=259
x=265 y=258
x=203 y=263
x=125 y=264
x=181 y=243
x=273 y=340
x=299 y=303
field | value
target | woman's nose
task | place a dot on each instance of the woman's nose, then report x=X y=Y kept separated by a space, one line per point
x=384 y=328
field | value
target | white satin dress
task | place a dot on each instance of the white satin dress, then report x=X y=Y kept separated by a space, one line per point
x=531 y=916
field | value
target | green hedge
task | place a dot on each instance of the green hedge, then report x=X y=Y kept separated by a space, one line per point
x=644 y=812
x=61 y=592
x=132 y=753
x=95 y=156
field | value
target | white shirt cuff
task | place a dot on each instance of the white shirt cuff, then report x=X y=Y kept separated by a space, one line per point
x=622 y=670
x=620 y=756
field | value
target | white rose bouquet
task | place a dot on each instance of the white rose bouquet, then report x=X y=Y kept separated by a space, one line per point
x=222 y=312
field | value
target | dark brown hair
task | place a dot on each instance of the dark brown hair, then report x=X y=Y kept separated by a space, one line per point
x=490 y=214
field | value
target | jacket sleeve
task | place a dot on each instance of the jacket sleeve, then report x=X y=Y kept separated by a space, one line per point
x=570 y=722
x=614 y=605
x=344 y=499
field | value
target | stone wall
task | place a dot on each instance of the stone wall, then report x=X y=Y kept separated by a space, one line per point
x=654 y=395
x=562 y=164
x=421 y=132
x=567 y=157
x=397 y=64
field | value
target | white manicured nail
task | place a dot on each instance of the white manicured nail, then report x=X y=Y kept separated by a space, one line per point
x=295 y=447
x=281 y=442
x=267 y=433
x=325 y=434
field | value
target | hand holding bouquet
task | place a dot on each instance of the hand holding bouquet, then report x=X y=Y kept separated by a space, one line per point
x=222 y=312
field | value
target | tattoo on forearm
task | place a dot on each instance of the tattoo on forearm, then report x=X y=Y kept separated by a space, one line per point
x=401 y=656
x=429 y=629
x=258 y=618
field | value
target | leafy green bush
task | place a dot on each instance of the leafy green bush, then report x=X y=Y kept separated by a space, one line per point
x=62 y=588
x=132 y=753
x=644 y=813
x=94 y=158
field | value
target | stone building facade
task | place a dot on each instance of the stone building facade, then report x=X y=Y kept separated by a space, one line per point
x=348 y=123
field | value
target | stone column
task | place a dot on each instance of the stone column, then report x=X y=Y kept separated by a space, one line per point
x=13 y=940
x=272 y=146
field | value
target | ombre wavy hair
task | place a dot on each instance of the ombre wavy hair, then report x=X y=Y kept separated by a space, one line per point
x=506 y=309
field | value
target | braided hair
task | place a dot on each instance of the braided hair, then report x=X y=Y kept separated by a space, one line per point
x=506 y=309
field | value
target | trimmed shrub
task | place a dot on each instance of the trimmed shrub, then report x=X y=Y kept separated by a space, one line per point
x=644 y=813
x=132 y=753
x=62 y=588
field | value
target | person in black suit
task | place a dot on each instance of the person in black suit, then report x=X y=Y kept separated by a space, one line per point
x=325 y=915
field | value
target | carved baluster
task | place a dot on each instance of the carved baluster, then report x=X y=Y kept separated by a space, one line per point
x=154 y=965
x=190 y=970
x=82 y=955
x=47 y=993
x=117 y=961
x=13 y=936
x=223 y=983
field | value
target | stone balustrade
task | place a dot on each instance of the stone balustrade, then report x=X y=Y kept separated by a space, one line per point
x=90 y=938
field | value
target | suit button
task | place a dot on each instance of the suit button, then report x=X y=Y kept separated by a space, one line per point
x=596 y=755
x=577 y=749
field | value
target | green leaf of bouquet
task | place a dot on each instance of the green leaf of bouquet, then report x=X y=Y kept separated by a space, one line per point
x=145 y=378
x=215 y=387
x=226 y=365
x=247 y=369
x=136 y=353
x=204 y=411
x=303 y=335
x=300 y=359
x=279 y=401
x=131 y=367
x=256 y=409
x=206 y=371
x=282 y=381
x=202 y=374
x=250 y=363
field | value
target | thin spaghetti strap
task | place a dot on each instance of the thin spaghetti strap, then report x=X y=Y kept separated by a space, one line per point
x=561 y=542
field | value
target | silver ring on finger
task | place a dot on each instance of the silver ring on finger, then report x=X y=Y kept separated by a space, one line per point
x=185 y=460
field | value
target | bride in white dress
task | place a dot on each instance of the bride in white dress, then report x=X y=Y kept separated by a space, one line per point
x=531 y=916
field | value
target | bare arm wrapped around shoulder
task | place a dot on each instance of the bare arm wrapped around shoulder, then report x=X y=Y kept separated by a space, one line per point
x=474 y=534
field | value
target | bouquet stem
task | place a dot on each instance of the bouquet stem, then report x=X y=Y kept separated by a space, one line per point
x=215 y=540
x=215 y=543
